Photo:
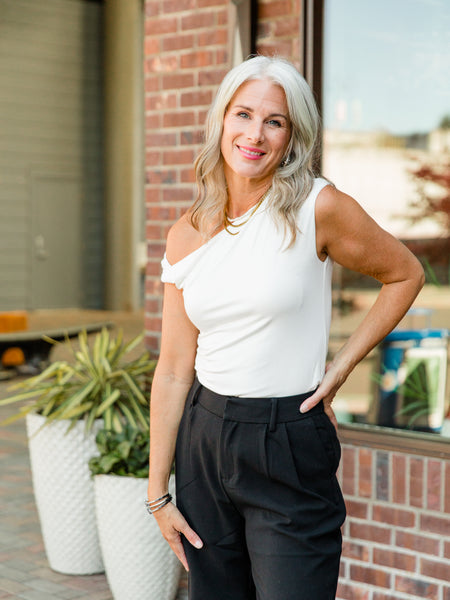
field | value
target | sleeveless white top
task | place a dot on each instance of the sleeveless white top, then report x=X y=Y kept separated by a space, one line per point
x=263 y=311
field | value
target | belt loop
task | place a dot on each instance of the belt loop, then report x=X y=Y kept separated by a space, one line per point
x=273 y=414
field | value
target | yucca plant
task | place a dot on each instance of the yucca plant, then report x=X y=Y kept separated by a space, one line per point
x=98 y=383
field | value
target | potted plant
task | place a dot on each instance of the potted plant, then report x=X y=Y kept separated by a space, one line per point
x=139 y=563
x=64 y=407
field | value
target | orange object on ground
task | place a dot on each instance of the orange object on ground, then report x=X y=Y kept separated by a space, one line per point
x=9 y=322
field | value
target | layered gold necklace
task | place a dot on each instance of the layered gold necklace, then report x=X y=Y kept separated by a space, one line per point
x=226 y=220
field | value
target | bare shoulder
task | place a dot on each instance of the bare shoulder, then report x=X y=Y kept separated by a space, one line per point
x=182 y=239
x=332 y=203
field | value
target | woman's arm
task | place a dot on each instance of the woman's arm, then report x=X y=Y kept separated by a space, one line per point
x=173 y=378
x=347 y=234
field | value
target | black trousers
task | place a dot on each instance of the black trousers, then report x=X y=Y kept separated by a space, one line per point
x=256 y=480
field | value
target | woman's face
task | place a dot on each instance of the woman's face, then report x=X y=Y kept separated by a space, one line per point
x=256 y=131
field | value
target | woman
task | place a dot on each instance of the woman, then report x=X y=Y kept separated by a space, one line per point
x=246 y=318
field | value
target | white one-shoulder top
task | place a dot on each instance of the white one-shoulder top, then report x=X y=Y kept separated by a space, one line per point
x=263 y=311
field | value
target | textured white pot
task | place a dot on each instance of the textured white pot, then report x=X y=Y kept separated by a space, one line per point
x=139 y=563
x=64 y=492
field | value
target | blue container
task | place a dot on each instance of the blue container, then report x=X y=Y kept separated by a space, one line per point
x=412 y=379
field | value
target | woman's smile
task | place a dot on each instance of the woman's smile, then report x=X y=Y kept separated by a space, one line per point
x=256 y=132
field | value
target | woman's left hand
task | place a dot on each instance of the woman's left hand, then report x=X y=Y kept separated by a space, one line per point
x=331 y=382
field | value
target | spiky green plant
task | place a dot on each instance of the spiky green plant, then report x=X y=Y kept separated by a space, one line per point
x=122 y=453
x=98 y=383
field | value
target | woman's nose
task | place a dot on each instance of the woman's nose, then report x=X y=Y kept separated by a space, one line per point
x=255 y=131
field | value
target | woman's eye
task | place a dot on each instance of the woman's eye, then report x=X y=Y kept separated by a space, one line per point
x=275 y=123
x=244 y=115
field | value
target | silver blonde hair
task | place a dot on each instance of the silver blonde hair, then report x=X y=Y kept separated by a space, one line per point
x=293 y=179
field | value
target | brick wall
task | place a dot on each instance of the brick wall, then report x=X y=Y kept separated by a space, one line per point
x=397 y=532
x=186 y=57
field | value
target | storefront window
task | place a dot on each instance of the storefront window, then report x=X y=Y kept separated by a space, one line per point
x=386 y=142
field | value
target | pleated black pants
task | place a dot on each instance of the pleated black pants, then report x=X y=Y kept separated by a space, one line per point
x=256 y=480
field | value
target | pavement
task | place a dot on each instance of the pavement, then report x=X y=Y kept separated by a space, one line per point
x=24 y=569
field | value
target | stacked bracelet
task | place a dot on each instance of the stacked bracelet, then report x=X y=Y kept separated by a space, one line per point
x=157 y=504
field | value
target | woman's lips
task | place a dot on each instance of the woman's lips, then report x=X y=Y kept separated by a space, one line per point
x=251 y=153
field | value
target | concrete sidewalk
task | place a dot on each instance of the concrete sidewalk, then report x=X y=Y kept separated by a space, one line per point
x=24 y=570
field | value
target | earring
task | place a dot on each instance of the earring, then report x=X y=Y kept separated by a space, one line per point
x=285 y=161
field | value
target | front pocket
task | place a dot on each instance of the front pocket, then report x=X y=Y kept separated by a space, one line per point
x=329 y=440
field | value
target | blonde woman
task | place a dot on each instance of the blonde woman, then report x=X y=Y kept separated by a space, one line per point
x=241 y=393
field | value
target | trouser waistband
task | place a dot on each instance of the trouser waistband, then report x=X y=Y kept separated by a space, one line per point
x=282 y=409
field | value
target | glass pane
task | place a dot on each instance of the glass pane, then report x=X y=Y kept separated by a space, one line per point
x=386 y=142
x=386 y=103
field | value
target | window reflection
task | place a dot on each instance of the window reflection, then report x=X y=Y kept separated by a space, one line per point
x=386 y=138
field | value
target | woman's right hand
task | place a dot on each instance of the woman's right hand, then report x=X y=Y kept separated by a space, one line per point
x=173 y=525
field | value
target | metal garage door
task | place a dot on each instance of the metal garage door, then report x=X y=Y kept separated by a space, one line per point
x=51 y=182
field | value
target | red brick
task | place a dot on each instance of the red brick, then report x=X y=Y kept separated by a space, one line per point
x=446 y=550
x=153 y=269
x=447 y=488
x=155 y=139
x=161 y=213
x=357 y=509
x=152 y=157
x=178 y=195
x=160 y=25
x=416 y=483
x=398 y=478
x=198 y=20
x=211 y=76
x=187 y=176
x=381 y=596
x=417 y=542
x=440 y=525
x=446 y=593
x=162 y=176
x=286 y=27
x=176 y=81
x=278 y=48
x=177 y=42
x=365 y=472
x=152 y=46
x=178 y=157
x=416 y=587
x=161 y=101
x=196 y=59
x=436 y=569
x=153 y=306
x=152 y=341
x=348 y=470
x=370 y=575
x=216 y=37
x=203 y=3
x=153 y=121
x=276 y=9
x=221 y=57
x=396 y=560
x=197 y=98
x=163 y=63
x=373 y=533
x=394 y=516
x=351 y=592
x=434 y=484
x=151 y=8
x=354 y=550
x=153 y=232
x=170 y=6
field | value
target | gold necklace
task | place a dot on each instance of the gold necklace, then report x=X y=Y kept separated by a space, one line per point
x=226 y=220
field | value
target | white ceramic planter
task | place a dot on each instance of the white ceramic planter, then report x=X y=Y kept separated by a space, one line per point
x=139 y=563
x=64 y=492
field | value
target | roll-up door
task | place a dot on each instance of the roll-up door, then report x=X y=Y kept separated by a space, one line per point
x=51 y=181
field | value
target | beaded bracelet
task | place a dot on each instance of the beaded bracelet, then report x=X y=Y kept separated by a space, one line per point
x=154 y=505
